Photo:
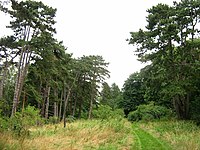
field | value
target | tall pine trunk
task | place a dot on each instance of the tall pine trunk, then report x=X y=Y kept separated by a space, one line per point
x=47 y=103
x=55 y=103
x=45 y=92
x=70 y=107
x=23 y=64
x=65 y=106
x=90 y=110
x=17 y=85
x=93 y=94
x=60 y=108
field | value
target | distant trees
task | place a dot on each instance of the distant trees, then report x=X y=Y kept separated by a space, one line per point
x=171 y=43
x=111 y=96
x=133 y=93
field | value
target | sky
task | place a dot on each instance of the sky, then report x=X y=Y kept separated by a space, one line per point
x=101 y=27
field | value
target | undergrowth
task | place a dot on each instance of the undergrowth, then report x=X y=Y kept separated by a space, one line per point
x=81 y=134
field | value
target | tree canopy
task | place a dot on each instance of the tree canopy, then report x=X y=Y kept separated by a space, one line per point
x=170 y=43
x=37 y=70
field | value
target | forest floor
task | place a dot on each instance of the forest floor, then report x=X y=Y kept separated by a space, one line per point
x=107 y=135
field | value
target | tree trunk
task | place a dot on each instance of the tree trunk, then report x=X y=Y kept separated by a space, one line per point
x=93 y=93
x=4 y=75
x=90 y=110
x=65 y=106
x=25 y=70
x=81 y=99
x=47 y=103
x=55 y=103
x=23 y=64
x=74 y=109
x=70 y=107
x=55 y=110
x=16 y=92
x=176 y=106
x=80 y=108
x=22 y=71
x=43 y=107
x=24 y=100
x=64 y=98
x=60 y=109
x=181 y=105
x=1 y=87
x=44 y=101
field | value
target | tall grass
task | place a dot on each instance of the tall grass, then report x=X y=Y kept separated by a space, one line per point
x=81 y=135
x=181 y=135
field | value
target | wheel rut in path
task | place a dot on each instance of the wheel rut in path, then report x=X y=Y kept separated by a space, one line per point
x=146 y=141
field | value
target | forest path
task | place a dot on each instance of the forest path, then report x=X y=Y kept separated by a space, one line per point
x=146 y=141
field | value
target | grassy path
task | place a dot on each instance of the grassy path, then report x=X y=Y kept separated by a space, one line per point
x=145 y=141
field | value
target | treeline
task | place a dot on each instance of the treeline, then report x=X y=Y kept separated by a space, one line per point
x=37 y=70
x=170 y=44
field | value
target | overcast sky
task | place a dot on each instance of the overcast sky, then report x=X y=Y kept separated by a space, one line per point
x=101 y=27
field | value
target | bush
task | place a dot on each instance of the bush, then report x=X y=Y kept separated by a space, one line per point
x=22 y=121
x=52 y=120
x=106 y=112
x=70 y=119
x=149 y=112
x=4 y=124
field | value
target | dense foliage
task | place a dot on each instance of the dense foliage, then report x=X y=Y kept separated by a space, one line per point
x=37 y=70
x=149 y=112
x=111 y=96
x=133 y=93
x=170 y=44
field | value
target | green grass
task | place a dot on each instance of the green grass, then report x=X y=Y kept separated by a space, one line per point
x=115 y=134
x=180 y=135
x=146 y=141
x=81 y=135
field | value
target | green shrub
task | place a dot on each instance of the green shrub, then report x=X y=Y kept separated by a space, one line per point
x=106 y=112
x=84 y=115
x=22 y=121
x=149 y=112
x=70 y=119
x=118 y=113
x=52 y=120
x=4 y=124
